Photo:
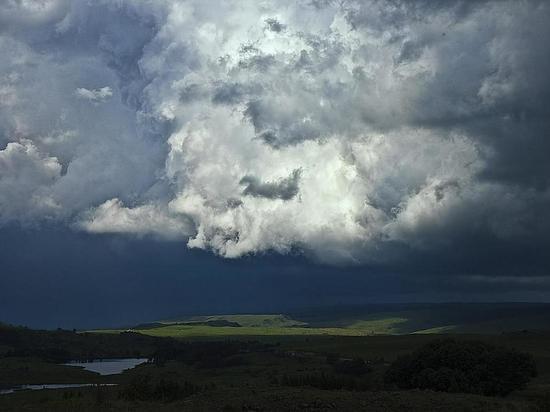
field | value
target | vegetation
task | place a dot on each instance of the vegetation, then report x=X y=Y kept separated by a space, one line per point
x=210 y=363
x=356 y=367
x=325 y=381
x=190 y=331
x=362 y=320
x=206 y=354
x=450 y=365
x=430 y=318
x=62 y=345
x=146 y=388
x=253 y=321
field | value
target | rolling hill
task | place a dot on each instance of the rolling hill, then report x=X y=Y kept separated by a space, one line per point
x=364 y=320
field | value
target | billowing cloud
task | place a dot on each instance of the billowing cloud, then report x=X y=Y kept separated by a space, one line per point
x=113 y=217
x=26 y=179
x=96 y=96
x=284 y=189
x=355 y=131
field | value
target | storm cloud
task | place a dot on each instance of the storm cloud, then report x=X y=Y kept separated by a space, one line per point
x=356 y=132
x=284 y=189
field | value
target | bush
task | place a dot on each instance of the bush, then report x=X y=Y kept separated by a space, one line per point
x=144 y=388
x=356 y=367
x=450 y=365
x=325 y=381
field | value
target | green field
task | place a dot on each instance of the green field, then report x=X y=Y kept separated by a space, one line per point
x=246 y=320
x=360 y=321
x=185 y=331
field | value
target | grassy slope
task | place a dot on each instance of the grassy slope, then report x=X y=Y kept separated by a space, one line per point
x=185 y=331
x=434 y=318
x=370 y=320
x=268 y=321
x=267 y=325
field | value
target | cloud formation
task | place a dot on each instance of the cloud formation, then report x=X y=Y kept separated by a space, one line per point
x=97 y=96
x=354 y=131
x=284 y=189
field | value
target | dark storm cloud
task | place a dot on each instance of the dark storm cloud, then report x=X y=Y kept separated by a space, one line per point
x=233 y=93
x=280 y=126
x=417 y=131
x=274 y=25
x=58 y=278
x=409 y=51
x=284 y=189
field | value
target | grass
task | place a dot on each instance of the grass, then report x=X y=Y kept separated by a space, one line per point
x=361 y=321
x=430 y=318
x=385 y=326
x=265 y=325
x=247 y=320
x=186 y=331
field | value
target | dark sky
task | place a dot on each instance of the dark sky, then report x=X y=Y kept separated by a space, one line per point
x=168 y=157
x=59 y=278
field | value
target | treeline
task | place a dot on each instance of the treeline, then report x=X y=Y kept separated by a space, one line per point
x=356 y=366
x=344 y=374
x=445 y=365
x=451 y=365
x=152 y=386
x=325 y=381
x=214 y=354
x=62 y=345
x=146 y=388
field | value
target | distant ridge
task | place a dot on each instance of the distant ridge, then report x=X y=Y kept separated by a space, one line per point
x=235 y=320
x=372 y=319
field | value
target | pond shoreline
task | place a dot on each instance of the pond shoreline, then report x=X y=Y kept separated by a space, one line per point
x=101 y=367
x=105 y=367
x=23 y=388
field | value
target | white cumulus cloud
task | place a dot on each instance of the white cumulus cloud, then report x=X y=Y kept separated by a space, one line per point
x=95 y=95
x=341 y=129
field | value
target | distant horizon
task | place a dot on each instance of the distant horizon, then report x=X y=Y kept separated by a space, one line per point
x=290 y=312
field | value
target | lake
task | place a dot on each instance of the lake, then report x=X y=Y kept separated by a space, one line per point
x=101 y=366
x=108 y=366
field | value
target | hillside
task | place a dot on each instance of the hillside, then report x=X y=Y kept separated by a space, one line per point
x=383 y=319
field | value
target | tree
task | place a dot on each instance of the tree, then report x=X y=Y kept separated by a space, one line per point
x=450 y=365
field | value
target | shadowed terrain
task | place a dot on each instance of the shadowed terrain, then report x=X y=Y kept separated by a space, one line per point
x=308 y=361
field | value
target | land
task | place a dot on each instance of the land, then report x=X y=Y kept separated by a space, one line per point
x=272 y=362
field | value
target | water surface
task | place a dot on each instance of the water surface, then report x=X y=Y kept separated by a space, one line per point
x=49 y=386
x=108 y=366
x=101 y=366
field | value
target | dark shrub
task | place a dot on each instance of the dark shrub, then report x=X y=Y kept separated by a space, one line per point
x=207 y=354
x=356 y=367
x=139 y=388
x=221 y=362
x=332 y=358
x=144 y=388
x=450 y=365
x=325 y=381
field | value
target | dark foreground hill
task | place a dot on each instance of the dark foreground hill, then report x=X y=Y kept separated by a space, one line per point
x=278 y=373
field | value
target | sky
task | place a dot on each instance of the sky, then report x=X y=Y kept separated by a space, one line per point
x=164 y=157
